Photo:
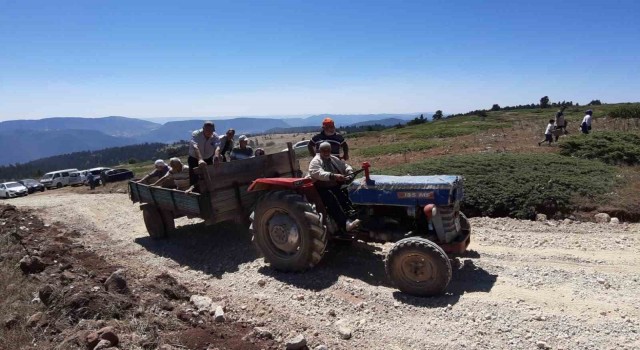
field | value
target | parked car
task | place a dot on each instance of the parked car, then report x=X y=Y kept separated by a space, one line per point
x=115 y=175
x=76 y=178
x=12 y=189
x=32 y=185
x=96 y=175
x=57 y=178
x=299 y=144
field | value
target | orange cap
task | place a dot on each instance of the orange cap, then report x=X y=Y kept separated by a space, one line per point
x=327 y=122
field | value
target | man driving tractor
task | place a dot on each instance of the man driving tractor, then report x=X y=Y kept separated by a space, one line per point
x=330 y=173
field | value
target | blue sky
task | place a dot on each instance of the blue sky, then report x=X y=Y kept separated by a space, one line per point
x=229 y=58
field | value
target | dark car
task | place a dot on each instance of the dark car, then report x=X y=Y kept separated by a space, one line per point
x=114 y=175
x=32 y=185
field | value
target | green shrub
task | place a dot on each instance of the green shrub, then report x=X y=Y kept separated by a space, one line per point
x=626 y=111
x=518 y=185
x=609 y=147
x=398 y=147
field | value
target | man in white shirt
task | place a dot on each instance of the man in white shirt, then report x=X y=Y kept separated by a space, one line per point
x=585 y=126
x=330 y=172
x=548 y=132
x=203 y=148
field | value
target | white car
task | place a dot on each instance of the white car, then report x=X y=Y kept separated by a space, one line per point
x=12 y=189
x=297 y=145
x=76 y=178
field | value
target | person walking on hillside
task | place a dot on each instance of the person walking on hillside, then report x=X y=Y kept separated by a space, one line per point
x=202 y=149
x=561 y=124
x=548 y=133
x=329 y=134
x=585 y=126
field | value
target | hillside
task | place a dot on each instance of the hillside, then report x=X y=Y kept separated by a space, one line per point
x=113 y=126
x=21 y=146
x=506 y=172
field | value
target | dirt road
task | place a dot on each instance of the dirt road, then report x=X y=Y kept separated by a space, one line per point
x=524 y=285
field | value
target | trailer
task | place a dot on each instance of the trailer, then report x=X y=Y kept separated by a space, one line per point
x=222 y=196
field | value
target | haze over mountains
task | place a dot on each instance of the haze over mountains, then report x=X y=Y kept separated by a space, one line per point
x=25 y=140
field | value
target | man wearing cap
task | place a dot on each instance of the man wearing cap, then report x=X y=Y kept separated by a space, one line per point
x=329 y=134
x=160 y=170
x=585 y=126
x=202 y=149
x=242 y=151
x=330 y=173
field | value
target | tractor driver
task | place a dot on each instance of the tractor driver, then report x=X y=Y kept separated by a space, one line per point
x=329 y=173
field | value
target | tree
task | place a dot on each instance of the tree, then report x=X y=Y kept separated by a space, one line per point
x=495 y=107
x=594 y=103
x=482 y=114
x=437 y=115
x=544 y=102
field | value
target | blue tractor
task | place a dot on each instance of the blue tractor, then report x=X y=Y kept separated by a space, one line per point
x=421 y=214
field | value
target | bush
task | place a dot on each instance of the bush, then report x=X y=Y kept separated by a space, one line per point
x=518 y=185
x=609 y=147
x=626 y=111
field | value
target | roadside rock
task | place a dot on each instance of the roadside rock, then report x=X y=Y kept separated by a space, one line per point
x=321 y=347
x=108 y=333
x=602 y=217
x=263 y=332
x=297 y=342
x=343 y=330
x=46 y=294
x=36 y=319
x=11 y=321
x=103 y=344
x=202 y=303
x=31 y=264
x=102 y=336
x=614 y=221
x=218 y=316
x=116 y=283
x=541 y=217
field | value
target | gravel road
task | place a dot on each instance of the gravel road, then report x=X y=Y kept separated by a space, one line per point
x=524 y=285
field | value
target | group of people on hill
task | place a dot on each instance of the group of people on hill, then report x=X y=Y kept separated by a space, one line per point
x=558 y=126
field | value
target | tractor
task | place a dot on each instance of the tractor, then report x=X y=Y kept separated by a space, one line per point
x=420 y=214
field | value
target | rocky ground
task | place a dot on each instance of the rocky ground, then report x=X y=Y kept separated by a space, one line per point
x=524 y=284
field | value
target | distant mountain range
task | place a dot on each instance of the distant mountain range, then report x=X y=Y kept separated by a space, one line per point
x=25 y=140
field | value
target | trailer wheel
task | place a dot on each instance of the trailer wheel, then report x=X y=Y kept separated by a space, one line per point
x=288 y=231
x=158 y=223
x=418 y=267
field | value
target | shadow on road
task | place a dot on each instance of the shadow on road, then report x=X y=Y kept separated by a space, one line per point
x=366 y=263
x=214 y=250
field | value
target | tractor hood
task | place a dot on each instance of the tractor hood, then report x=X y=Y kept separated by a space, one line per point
x=407 y=190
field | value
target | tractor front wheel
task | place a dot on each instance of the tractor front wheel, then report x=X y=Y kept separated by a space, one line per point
x=288 y=231
x=418 y=266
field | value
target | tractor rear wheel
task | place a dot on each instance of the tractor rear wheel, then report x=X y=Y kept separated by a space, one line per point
x=418 y=266
x=288 y=231
x=159 y=223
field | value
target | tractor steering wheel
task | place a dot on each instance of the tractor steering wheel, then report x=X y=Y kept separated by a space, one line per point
x=352 y=176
